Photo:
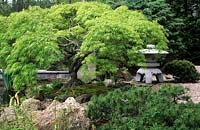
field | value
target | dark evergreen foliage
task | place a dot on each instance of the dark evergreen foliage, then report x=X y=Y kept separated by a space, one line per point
x=9 y=6
x=182 y=70
x=141 y=108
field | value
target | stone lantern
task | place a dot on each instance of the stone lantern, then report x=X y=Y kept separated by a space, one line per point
x=151 y=66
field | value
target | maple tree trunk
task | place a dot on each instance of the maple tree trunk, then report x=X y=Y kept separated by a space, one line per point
x=75 y=66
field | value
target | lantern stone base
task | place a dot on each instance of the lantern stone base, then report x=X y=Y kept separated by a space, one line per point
x=148 y=73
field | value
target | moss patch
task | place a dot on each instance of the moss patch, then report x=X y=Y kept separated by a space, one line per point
x=89 y=89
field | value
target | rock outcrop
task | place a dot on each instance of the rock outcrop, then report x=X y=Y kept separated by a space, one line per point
x=68 y=115
x=30 y=105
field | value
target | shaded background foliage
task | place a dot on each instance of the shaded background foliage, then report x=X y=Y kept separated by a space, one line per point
x=8 y=6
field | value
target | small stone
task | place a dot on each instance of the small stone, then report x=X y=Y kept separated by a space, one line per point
x=108 y=83
x=127 y=75
x=83 y=98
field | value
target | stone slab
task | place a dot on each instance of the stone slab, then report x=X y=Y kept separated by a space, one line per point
x=45 y=74
x=197 y=68
x=148 y=74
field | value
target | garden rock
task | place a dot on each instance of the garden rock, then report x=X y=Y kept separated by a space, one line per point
x=68 y=115
x=127 y=75
x=8 y=114
x=30 y=105
x=197 y=68
x=168 y=77
x=108 y=83
x=83 y=98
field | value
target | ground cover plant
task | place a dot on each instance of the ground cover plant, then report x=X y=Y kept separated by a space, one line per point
x=142 y=108
x=61 y=93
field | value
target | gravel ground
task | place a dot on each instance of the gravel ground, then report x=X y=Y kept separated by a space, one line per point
x=194 y=89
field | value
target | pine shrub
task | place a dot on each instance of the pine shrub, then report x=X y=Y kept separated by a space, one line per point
x=141 y=108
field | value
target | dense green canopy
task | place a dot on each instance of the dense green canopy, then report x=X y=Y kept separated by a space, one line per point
x=75 y=34
x=116 y=35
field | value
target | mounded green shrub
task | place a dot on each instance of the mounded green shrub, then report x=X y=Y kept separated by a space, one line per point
x=182 y=70
x=141 y=108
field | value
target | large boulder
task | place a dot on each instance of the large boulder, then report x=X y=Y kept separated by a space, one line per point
x=11 y=113
x=68 y=115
